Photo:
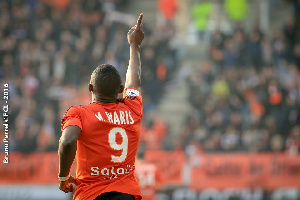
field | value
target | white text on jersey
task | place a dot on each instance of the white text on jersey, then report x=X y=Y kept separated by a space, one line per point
x=116 y=117
x=110 y=173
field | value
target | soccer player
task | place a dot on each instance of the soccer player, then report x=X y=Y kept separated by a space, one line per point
x=105 y=134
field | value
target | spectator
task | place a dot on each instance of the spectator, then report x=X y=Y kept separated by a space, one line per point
x=246 y=104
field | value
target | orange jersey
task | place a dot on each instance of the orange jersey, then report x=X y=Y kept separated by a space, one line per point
x=107 y=145
x=147 y=176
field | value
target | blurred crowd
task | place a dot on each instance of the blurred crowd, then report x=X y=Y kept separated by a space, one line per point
x=48 y=53
x=246 y=95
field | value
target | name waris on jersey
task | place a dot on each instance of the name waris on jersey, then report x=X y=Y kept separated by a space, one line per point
x=116 y=117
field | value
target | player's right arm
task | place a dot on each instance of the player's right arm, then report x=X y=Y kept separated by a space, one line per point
x=135 y=37
x=71 y=129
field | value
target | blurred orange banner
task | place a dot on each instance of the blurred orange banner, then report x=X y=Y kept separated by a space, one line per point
x=31 y=168
x=220 y=171
x=268 y=171
x=169 y=164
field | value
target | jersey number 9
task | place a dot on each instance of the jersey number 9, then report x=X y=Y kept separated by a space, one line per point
x=123 y=146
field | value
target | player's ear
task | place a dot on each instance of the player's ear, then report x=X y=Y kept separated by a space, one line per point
x=121 y=89
x=91 y=89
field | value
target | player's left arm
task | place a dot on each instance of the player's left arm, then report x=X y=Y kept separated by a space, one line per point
x=67 y=151
x=135 y=37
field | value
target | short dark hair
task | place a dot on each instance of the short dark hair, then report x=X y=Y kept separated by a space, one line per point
x=106 y=80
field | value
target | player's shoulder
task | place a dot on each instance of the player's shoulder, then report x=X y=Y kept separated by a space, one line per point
x=75 y=109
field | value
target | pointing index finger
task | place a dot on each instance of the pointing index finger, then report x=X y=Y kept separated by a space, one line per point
x=139 y=21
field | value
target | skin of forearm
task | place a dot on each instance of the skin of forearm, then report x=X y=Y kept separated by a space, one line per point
x=133 y=77
x=66 y=152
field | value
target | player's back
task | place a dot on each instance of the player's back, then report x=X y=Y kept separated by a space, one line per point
x=107 y=146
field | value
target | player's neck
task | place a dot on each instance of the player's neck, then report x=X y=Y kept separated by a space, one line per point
x=99 y=99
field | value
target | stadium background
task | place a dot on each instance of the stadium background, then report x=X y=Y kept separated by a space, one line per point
x=220 y=82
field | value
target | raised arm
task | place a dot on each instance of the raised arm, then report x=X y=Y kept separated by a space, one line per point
x=135 y=37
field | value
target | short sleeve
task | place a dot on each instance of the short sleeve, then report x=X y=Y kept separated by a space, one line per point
x=133 y=99
x=71 y=118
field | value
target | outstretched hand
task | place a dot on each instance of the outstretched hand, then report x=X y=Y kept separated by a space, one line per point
x=135 y=35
